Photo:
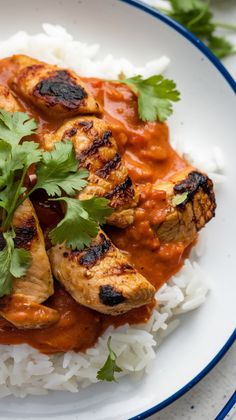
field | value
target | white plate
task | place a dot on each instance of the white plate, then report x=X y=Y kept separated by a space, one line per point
x=205 y=117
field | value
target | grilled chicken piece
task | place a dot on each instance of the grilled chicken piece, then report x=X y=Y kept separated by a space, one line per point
x=184 y=220
x=7 y=100
x=23 y=313
x=37 y=285
x=100 y=277
x=96 y=151
x=58 y=92
x=23 y=307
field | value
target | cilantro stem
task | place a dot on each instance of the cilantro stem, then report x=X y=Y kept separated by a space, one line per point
x=25 y=197
x=14 y=204
x=222 y=25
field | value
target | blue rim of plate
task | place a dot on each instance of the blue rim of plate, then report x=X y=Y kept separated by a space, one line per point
x=214 y=60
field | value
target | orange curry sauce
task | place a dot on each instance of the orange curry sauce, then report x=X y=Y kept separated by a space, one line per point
x=149 y=157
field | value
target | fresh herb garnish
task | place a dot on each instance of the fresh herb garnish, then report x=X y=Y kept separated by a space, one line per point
x=13 y=263
x=220 y=46
x=179 y=198
x=155 y=96
x=81 y=221
x=197 y=17
x=57 y=173
x=14 y=162
x=106 y=373
x=14 y=126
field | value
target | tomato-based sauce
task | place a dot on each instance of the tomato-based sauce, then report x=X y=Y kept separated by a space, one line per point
x=147 y=153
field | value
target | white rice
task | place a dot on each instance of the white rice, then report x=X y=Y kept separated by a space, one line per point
x=57 y=46
x=23 y=370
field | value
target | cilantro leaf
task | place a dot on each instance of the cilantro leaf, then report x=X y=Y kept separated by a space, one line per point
x=13 y=263
x=5 y=152
x=15 y=126
x=25 y=154
x=15 y=160
x=20 y=262
x=8 y=194
x=81 y=222
x=58 y=170
x=5 y=264
x=155 y=96
x=97 y=208
x=179 y=198
x=5 y=157
x=106 y=373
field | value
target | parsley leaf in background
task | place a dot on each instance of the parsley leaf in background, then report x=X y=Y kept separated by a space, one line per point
x=220 y=46
x=58 y=170
x=186 y=5
x=155 y=96
x=81 y=221
x=106 y=373
x=197 y=17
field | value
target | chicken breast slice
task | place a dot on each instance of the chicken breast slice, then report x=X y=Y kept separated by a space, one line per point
x=25 y=314
x=184 y=220
x=100 y=277
x=7 y=100
x=96 y=150
x=22 y=308
x=58 y=92
x=37 y=285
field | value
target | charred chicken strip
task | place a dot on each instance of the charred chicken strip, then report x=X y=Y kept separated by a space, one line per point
x=96 y=151
x=197 y=206
x=23 y=307
x=37 y=285
x=100 y=277
x=58 y=92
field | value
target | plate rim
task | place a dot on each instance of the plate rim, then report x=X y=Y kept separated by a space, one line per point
x=232 y=83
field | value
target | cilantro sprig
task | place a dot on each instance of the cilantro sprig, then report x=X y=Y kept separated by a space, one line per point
x=58 y=170
x=13 y=263
x=107 y=372
x=155 y=96
x=88 y=214
x=58 y=174
x=14 y=162
x=197 y=17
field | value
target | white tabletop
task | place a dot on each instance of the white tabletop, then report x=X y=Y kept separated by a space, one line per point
x=208 y=397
